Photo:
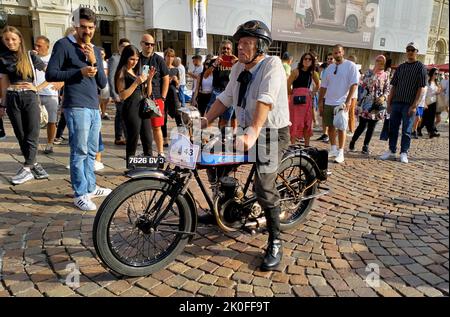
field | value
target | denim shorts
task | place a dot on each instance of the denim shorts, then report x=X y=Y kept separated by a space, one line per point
x=419 y=112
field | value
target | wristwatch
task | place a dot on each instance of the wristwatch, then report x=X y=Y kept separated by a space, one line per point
x=163 y=98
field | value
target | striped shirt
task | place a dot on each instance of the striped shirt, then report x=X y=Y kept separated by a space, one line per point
x=408 y=78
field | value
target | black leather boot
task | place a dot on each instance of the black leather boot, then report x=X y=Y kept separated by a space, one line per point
x=274 y=252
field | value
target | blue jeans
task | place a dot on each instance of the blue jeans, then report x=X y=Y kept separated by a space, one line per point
x=101 y=146
x=400 y=115
x=181 y=95
x=84 y=128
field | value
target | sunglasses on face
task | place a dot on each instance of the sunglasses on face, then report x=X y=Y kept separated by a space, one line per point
x=148 y=43
x=307 y=59
x=411 y=50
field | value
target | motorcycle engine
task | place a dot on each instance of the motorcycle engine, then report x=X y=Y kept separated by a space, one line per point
x=229 y=204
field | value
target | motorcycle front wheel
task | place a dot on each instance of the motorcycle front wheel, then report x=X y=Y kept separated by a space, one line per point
x=125 y=234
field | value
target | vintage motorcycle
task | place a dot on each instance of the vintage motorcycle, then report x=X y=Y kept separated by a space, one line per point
x=146 y=222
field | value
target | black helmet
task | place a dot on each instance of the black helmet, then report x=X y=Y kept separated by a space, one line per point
x=258 y=29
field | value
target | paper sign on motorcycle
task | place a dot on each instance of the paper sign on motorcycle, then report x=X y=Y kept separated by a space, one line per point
x=182 y=152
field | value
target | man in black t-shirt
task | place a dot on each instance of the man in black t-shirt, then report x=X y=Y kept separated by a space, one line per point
x=408 y=87
x=220 y=69
x=160 y=85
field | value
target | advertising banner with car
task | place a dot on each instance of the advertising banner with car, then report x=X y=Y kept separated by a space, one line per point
x=353 y=22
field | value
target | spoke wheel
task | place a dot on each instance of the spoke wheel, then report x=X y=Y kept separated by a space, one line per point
x=126 y=236
x=298 y=174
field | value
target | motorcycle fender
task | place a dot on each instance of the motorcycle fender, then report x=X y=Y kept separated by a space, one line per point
x=321 y=176
x=144 y=173
x=162 y=175
x=193 y=208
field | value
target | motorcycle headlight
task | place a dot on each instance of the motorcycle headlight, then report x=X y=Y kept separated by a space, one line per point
x=189 y=115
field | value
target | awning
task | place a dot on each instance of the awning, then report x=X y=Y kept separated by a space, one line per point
x=442 y=67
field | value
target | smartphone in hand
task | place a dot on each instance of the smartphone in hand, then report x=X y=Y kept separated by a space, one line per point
x=227 y=61
x=145 y=70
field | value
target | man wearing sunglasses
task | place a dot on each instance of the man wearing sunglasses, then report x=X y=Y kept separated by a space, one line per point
x=220 y=69
x=408 y=87
x=258 y=92
x=160 y=85
x=337 y=89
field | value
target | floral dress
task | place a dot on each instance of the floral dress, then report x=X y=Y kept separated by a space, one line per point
x=375 y=86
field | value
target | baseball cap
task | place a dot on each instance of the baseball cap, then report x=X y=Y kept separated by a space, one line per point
x=286 y=56
x=413 y=45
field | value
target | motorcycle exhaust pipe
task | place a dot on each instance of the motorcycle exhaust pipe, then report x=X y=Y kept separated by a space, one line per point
x=260 y=222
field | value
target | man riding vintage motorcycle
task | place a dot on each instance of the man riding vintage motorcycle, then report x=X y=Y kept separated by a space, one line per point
x=258 y=88
x=146 y=222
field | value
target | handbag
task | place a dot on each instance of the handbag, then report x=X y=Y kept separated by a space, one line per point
x=149 y=109
x=299 y=100
x=43 y=111
x=44 y=115
x=384 y=135
x=302 y=100
x=341 y=118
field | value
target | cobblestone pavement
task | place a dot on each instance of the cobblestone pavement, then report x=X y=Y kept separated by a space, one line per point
x=379 y=213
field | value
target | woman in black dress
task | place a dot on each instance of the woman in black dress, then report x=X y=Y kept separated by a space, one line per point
x=131 y=89
x=172 y=102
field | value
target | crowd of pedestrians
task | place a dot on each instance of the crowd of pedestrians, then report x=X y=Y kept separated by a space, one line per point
x=76 y=83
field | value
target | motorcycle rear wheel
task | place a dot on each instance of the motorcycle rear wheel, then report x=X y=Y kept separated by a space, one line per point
x=299 y=173
x=120 y=235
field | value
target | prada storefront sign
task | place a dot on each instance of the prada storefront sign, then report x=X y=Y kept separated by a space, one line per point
x=100 y=7
x=16 y=7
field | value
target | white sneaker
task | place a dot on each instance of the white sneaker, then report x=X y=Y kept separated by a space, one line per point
x=388 y=156
x=99 y=192
x=98 y=166
x=340 y=157
x=84 y=203
x=334 y=153
x=23 y=175
x=404 y=158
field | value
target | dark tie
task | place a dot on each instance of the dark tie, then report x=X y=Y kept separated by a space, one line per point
x=244 y=79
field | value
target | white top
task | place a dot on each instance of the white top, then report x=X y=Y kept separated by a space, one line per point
x=40 y=78
x=207 y=85
x=105 y=65
x=444 y=86
x=197 y=70
x=338 y=85
x=432 y=93
x=432 y=90
x=269 y=86
x=182 y=73
x=422 y=101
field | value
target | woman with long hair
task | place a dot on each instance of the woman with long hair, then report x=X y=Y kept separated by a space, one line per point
x=376 y=88
x=131 y=90
x=20 y=98
x=172 y=103
x=300 y=101
x=429 y=114
x=204 y=89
